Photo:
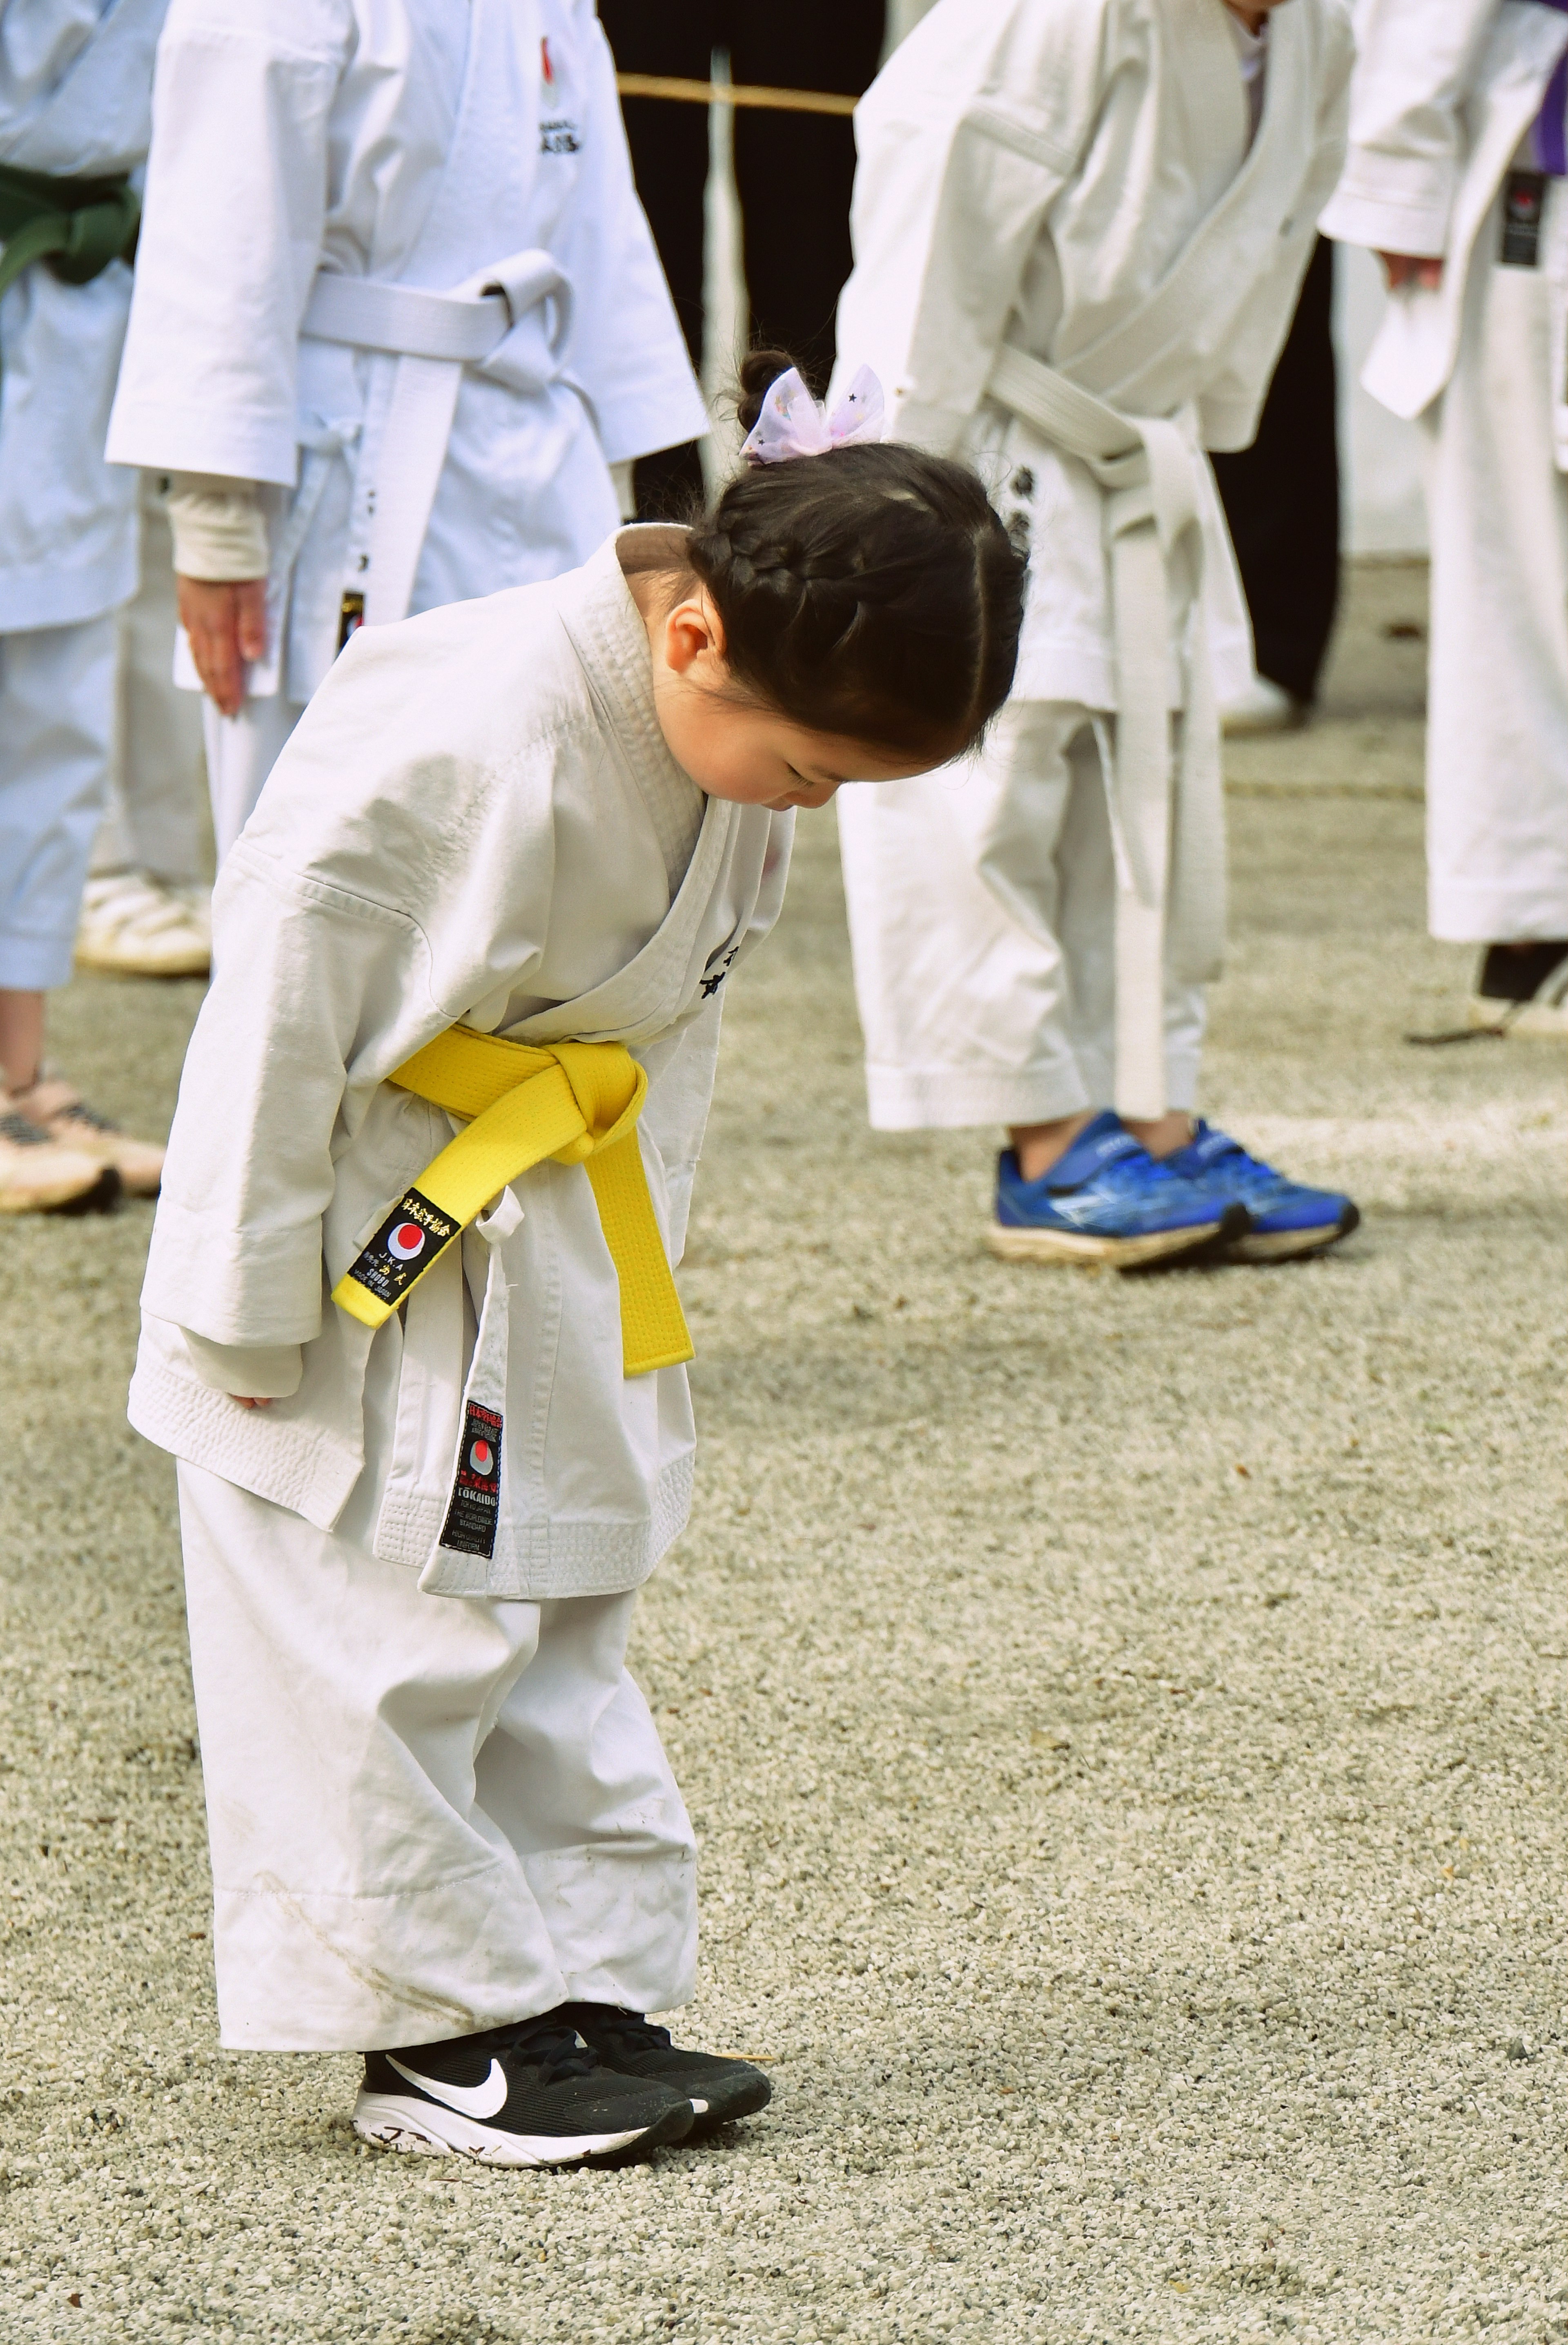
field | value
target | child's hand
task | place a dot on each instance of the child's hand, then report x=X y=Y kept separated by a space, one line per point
x=249 y=1404
x=1411 y=269
x=226 y=623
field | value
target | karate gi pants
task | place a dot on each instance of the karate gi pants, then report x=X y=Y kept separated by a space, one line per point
x=155 y=820
x=241 y=751
x=56 y=741
x=428 y=1814
x=1497 y=716
x=982 y=916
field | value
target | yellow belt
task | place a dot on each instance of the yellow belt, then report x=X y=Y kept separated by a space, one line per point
x=575 y=1102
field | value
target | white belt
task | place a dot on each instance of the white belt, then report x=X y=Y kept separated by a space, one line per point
x=432 y=335
x=1168 y=823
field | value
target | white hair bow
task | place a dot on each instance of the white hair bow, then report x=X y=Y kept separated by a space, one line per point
x=793 y=423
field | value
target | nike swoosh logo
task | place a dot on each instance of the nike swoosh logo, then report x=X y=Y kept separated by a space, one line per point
x=468 y=2100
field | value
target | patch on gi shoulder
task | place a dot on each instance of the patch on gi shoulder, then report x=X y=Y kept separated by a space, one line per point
x=475 y=1506
x=1523 y=200
x=406 y=1243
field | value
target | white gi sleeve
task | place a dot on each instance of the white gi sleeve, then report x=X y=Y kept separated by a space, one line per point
x=232 y=225
x=254 y=1371
x=966 y=139
x=627 y=349
x=1418 y=61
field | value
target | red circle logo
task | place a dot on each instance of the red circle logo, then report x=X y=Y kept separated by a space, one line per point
x=406 y=1240
x=481 y=1458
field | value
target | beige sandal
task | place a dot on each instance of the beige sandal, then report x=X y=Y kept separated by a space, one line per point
x=39 y=1174
x=59 y=1112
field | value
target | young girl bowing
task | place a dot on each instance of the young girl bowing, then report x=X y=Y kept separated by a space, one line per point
x=410 y=1328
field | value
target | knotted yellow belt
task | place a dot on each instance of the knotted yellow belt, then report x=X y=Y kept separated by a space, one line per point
x=575 y=1102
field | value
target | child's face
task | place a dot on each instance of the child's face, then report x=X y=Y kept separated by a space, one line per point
x=735 y=751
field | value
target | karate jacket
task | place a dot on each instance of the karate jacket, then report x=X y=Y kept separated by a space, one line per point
x=75 y=85
x=1074 y=177
x=1444 y=92
x=417 y=146
x=476 y=821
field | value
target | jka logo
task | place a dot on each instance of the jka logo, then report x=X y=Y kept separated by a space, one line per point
x=404 y=1247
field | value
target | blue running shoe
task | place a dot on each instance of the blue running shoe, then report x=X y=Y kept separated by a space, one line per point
x=1106 y=1200
x=1288 y=1219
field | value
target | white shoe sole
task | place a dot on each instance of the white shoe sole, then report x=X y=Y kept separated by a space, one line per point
x=110 y=962
x=1535 y=1021
x=1117 y=1254
x=392 y=2122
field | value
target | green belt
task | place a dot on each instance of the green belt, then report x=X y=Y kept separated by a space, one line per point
x=76 y=226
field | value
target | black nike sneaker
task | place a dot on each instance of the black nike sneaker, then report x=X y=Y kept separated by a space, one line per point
x=526 y=2094
x=718 y=2089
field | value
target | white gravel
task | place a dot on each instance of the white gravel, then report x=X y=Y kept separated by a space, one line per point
x=1122 y=1720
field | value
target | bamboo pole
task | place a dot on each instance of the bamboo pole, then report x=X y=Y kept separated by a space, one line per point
x=725 y=93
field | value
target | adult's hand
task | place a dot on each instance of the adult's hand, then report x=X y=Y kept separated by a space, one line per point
x=226 y=623
x=1411 y=269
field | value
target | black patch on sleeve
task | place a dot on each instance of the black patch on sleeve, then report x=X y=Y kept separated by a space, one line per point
x=475 y=1506
x=1523 y=200
x=408 y=1241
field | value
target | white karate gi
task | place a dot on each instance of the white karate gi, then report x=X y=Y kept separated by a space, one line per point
x=318 y=172
x=1445 y=92
x=1072 y=182
x=75 y=77
x=476 y=820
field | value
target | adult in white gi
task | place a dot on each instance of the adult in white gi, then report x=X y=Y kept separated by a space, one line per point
x=1078 y=248
x=1456 y=174
x=398 y=310
x=75 y=80
x=478 y=820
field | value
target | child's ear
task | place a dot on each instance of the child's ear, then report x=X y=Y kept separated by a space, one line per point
x=691 y=628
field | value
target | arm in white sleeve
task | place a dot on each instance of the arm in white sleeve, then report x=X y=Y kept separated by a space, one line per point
x=249 y=1371
x=219 y=527
x=232 y=224
x=627 y=348
x=1417 y=61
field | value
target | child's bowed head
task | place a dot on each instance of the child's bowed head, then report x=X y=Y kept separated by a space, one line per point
x=866 y=591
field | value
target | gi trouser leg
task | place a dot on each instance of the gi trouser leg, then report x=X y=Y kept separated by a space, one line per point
x=56 y=738
x=156 y=822
x=982 y=908
x=427 y=1815
x=1497 y=720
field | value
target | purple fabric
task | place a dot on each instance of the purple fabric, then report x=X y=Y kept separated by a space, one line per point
x=1550 y=145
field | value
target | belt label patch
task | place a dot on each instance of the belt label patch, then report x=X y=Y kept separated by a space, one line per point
x=475 y=1506
x=408 y=1241
x=1523 y=197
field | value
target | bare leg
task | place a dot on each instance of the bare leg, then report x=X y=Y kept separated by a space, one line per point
x=21 y=1038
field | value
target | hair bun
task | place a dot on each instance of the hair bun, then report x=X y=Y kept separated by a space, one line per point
x=758 y=371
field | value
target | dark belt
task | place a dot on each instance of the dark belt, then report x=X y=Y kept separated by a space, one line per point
x=76 y=226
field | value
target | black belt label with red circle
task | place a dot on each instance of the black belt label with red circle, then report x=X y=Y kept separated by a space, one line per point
x=476 y=1491
x=406 y=1243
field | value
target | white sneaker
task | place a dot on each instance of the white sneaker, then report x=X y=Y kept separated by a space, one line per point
x=138 y=927
x=1263 y=708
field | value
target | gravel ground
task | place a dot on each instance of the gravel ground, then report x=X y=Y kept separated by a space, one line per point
x=1120 y=1717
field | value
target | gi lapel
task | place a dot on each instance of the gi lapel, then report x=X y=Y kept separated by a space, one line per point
x=1159 y=355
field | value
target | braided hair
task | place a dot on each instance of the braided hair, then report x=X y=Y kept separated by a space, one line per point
x=869 y=592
